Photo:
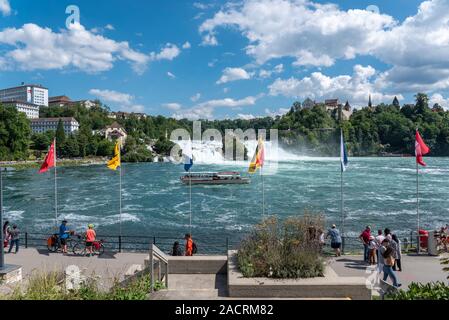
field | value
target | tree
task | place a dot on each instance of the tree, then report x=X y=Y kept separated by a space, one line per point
x=422 y=103
x=14 y=134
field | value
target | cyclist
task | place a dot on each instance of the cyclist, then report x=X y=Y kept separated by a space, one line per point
x=90 y=239
x=64 y=234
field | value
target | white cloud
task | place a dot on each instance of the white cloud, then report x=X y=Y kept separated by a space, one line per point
x=36 y=48
x=246 y=116
x=225 y=90
x=203 y=6
x=209 y=40
x=267 y=73
x=438 y=98
x=109 y=27
x=172 y=106
x=320 y=34
x=205 y=110
x=5 y=7
x=171 y=75
x=137 y=108
x=196 y=97
x=314 y=34
x=356 y=87
x=124 y=100
x=233 y=74
x=279 y=112
x=112 y=96
x=186 y=45
x=169 y=52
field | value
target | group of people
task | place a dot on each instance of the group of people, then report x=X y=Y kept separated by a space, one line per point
x=384 y=249
x=65 y=233
x=190 y=247
x=11 y=237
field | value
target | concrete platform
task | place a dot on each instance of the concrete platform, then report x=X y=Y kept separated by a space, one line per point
x=331 y=285
x=10 y=274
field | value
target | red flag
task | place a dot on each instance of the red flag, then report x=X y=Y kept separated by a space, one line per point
x=50 y=159
x=420 y=149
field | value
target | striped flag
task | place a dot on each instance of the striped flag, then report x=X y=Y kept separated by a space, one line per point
x=421 y=149
x=50 y=159
x=259 y=157
x=187 y=154
x=343 y=154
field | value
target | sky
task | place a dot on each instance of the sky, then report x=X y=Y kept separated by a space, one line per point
x=227 y=59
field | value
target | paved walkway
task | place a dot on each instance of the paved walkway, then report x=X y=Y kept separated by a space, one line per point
x=422 y=268
x=108 y=266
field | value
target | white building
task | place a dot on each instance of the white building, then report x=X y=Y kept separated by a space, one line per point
x=116 y=132
x=46 y=124
x=31 y=110
x=35 y=94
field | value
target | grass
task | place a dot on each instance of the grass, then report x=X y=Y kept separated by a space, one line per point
x=283 y=250
x=51 y=286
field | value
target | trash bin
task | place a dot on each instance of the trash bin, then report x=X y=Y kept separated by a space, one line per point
x=433 y=244
x=423 y=238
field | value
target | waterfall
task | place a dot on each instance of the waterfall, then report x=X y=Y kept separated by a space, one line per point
x=211 y=152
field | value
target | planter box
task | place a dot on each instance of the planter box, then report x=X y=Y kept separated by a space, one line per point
x=331 y=286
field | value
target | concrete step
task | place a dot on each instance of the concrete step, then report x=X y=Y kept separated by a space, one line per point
x=199 y=294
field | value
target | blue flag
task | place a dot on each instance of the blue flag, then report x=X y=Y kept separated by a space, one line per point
x=187 y=154
x=343 y=154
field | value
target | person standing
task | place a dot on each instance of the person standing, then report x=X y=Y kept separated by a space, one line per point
x=64 y=233
x=189 y=245
x=389 y=260
x=176 y=252
x=397 y=266
x=365 y=238
x=380 y=260
x=379 y=239
x=335 y=236
x=14 y=235
x=372 y=247
x=6 y=235
x=91 y=235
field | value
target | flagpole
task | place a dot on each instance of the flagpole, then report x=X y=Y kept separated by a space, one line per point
x=263 y=191
x=417 y=205
x=56 y=187
x=190 y=191
x=120 y=185
x=342 y=204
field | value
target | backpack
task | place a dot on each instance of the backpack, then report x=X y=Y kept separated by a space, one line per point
x=194 y=248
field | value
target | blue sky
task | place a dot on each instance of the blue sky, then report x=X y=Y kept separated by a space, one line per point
x=220 y=59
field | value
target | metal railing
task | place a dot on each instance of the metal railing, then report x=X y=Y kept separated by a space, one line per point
x=206 y=244
x=139 y=243
x=159 y=258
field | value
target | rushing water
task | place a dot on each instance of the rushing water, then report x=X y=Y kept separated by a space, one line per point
x=378 y=191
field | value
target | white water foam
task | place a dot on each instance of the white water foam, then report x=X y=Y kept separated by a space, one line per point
x=210 y=152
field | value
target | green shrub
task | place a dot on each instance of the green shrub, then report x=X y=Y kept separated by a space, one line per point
x=51 y=286
x=288 y=250
x=428 y=291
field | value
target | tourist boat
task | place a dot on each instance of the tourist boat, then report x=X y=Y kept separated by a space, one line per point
x=214 y=178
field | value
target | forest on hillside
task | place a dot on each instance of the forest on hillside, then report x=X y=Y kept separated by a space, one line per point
x=372 y=130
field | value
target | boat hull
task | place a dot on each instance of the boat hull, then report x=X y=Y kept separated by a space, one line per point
x=216 y=182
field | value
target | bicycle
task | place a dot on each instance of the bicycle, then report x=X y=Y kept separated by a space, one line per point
x=97 y=248
x=54 y=242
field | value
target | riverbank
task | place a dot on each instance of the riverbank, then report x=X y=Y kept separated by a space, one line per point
x=23 y=165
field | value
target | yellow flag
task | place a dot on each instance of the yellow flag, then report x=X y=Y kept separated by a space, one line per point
x=115 y=162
